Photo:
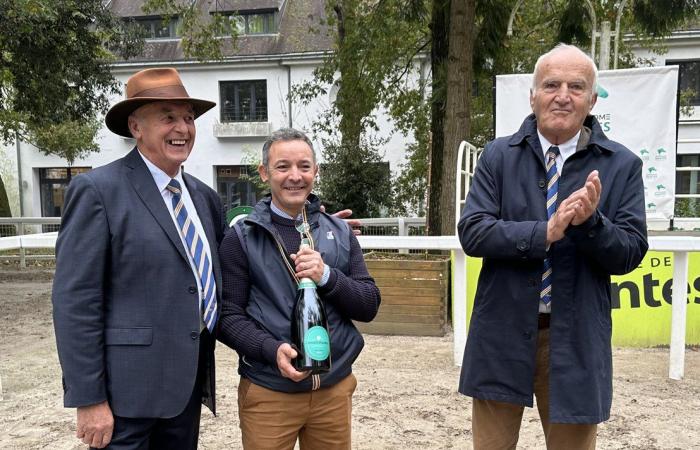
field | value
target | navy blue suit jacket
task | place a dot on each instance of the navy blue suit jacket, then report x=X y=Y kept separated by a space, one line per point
x=125 y=300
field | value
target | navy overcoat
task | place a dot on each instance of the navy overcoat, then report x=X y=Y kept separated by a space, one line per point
x=505 y=223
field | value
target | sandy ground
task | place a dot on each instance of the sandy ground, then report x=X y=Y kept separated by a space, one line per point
x=406 y=396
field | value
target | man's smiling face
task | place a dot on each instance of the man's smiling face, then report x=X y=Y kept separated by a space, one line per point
x=164 y=133
x=291 y=170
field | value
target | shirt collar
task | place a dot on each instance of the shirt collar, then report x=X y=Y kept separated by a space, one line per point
x=161 y=178
x=281 y=213
x=566 y=149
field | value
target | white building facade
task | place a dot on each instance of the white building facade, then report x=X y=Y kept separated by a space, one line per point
x=250 y=86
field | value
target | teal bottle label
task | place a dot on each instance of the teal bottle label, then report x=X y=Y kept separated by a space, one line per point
x=317 y=343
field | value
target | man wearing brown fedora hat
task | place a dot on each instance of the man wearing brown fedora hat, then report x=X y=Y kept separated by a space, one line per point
x=136 y=290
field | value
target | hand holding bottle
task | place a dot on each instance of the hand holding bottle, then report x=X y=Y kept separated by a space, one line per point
x=309 y=264
x=285 y=354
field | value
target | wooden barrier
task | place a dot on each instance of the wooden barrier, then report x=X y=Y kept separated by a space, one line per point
x=414 y=297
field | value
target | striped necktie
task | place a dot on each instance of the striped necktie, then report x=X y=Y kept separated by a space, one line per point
x=199 y=255
x=552 y=188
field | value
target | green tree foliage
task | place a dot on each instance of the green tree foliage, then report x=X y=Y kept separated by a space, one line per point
x=648 y=19
x=54 y=71
x=55 y=74
x=539 y=25
x=410 y=187
x=376 y=45
x=367 y=197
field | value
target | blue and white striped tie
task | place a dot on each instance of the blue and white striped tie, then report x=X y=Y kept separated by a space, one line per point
x=552 y=188
x=199 y=255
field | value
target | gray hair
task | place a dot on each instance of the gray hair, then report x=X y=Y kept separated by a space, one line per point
x=560 y=48
x=283 y=135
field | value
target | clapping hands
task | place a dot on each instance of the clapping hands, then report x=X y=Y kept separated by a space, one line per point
x=576 y=208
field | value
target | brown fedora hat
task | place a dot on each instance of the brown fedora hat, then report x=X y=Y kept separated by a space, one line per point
x=148 y=86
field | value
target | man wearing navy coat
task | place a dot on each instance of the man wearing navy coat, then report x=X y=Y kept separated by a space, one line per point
x=137 y=281
x=554 y=210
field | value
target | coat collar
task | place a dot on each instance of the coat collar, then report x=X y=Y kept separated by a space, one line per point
x=528 y=132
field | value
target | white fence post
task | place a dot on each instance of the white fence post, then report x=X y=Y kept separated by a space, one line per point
x=22 y=250
x=402 y=232
x=459 y=305
x=678 y=315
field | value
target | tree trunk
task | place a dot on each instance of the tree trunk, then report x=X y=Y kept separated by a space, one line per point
x=440 y=20
x=455 y=116
x=4 y=202
x=456 y=125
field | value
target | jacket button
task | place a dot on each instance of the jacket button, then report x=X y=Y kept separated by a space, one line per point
x=531 y=282
x=194 y=335
x=527 y=335
x=192 y=289
x=591 y=234
x=541 y=183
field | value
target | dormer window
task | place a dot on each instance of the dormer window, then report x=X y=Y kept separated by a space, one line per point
x=156 y=27
x=252 y=22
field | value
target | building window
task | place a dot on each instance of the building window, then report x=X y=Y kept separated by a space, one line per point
x=687 y=186
x=689 y=78
x=156 y=27
x=52 y=187
x=252 y=22
x=236 y=187
x=243 y=101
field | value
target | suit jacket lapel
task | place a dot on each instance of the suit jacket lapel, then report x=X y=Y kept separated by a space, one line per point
x=142 y=181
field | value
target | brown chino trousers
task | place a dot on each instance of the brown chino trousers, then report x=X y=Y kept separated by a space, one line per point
x=321 y=419
x=496 y=425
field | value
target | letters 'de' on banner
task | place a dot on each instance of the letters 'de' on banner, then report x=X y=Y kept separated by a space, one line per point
x=636 y=107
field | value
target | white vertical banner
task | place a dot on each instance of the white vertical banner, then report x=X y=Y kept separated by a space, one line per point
x=636 y=107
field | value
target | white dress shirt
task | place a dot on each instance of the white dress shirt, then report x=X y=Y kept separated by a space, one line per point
x=162 y=179
x=566 y=149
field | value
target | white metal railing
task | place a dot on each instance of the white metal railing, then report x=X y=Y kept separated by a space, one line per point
x=466 y=165
x=20 y=222
x=30 y=226
x=402 y=223
x=29 y=230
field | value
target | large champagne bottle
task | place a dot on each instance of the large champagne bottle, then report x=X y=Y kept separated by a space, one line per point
x=310 y=328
